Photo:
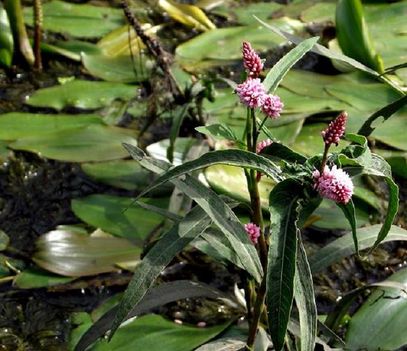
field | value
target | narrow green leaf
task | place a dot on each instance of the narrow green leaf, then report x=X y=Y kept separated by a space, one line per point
x=157 y=296
x=34 y=278
x=233 y=157
x=6 y=39
x=218 y=132
x=215 y=207
x=344 y=246
x=159 y=256
x=353 y=35
x=284 y=203
x=349 y=212
x=384 y=113
x=281 y=68
x=305 y=299
x=177 y=120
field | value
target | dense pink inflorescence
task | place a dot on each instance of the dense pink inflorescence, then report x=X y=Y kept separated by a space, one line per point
x=262 y=144
x=251 y=61
x=333 y=133
x=253 y=231
x=272 y=106
x=334 y=184
x=251 y=93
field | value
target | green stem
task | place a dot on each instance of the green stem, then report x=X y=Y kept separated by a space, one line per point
x=38 y=18
x=324 y=158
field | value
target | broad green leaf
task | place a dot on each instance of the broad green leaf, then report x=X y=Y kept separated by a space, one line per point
x=157 y=296
x=281 y=68
x=4 y=240
x=350 y=214
x=17 y=125
x=215 y=207
x=379 y=322
x=124 y=174
x=151 y=332
x=81 y=94
x=6 y=39
x=244 y=13
x=284 y=206
x=190 y=15
x=218 y=132
x=234 y=157
x=72 y=254
x=383 y=115
x=34 y=278
x=119 y=215
x=81 y=322
x=280 y=151
x=391 y=132
x=344 y=246
x=353 y=35
x=89 y=143
x=157 y=258
x=78 y=20
x=122 y=69
x=305 y=299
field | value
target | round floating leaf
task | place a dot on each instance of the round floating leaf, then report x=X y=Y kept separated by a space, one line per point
x=93 y=143
x=81 y=94
x=72 y=254
x=119 y=215
x=78 y=20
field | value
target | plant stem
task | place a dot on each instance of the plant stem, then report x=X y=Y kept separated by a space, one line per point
x=324 y=158
x=38 y=18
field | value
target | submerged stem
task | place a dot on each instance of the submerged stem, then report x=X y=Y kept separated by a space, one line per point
x=38 y=19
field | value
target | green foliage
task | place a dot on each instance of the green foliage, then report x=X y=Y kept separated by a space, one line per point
x=6 y=39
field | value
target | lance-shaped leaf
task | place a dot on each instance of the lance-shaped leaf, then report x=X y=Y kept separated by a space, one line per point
x=281 y=68
x=157 y=296
x=6 y=39
x=284 y=205
x=305 y=299
x=215 y=207
x=349 y=212
x=160 y=255
x=239 y=158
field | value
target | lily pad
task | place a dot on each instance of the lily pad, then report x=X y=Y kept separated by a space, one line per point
x=119 y=215
x=151 y=332
x=17 y=125
x=77 y=20
x=73 y=255
x=122 y=69
x=91 y=143
x=81 y=94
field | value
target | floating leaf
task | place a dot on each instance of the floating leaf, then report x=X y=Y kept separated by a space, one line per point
x=122 y=69
x=34 y=278
x=77 y=20
x=72 y=254
x=344 y=246
x=81 y=94
x=72 y=49
x=379 y=322
x=190 y=15
x=6 y=39
x=118 y=215
x=151 y=332
x=92 y=143
x=157 y=296
x=17 y=125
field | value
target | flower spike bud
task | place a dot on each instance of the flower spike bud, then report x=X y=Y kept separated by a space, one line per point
x=251 y=93
x=253 y=231
x=251 y=61
x=262 y=144
x=334 y=184
x=335 y=130
x=272 y=106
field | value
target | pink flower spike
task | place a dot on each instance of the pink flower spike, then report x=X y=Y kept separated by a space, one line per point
x=251 y=61
x=251 y=93
x=334 y=184
x=335 y=130
x=253 y=231
x=262 y=144
x=272 y=106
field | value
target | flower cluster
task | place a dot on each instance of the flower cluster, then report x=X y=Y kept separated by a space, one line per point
x=252 y=92
x=334 y=184
x=262 y=144
x=335 y=130
x=253 y=231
